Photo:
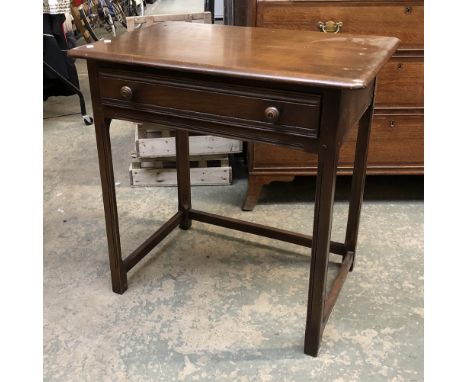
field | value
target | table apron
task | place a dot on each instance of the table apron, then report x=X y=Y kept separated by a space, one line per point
x=218 y=126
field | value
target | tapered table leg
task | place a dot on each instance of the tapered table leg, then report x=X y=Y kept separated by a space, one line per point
x=323 y=214
x=118 y=272
x=358 y=182
x=183 y=177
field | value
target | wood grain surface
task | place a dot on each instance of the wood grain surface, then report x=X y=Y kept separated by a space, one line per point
x=303 y=57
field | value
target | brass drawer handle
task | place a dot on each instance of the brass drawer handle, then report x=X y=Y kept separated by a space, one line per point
x=126 y=92
x=330 y=26
x=272 y=114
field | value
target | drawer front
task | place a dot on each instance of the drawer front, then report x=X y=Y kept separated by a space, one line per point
x=401 y=83
x=404 y=20
x=299 y=115
x=396 y=140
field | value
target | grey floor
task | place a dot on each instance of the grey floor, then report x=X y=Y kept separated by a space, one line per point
x=211 y=304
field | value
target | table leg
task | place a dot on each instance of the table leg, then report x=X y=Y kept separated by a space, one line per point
x=183 y=177
x=118 y=272
x=358 y=182
x=323 y=213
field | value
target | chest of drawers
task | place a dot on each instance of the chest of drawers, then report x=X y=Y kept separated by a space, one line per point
x=397 y=140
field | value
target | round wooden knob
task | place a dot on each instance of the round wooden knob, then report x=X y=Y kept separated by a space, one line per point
x=126 y=93
x=272 y=114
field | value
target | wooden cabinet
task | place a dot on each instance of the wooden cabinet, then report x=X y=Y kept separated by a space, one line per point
x=397 y=138
x=402 y=19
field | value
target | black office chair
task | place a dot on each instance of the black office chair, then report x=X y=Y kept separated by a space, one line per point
x=60 y=77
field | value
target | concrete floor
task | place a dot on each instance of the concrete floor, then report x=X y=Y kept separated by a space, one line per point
x=211 y=304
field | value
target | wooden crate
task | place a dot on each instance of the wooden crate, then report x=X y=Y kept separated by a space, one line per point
x=204 y=170
x=156 y=141
x=137 y=22
x=154 y=162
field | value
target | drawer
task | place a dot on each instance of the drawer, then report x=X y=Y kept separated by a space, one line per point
x=298 y=113
x=404 y=20
x=396 y=140
x=401 y=83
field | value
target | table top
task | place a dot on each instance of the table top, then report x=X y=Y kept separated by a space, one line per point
x=308 y=58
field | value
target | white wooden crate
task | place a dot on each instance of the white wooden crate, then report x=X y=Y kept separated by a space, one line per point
x=205 y=170
x=156 y=141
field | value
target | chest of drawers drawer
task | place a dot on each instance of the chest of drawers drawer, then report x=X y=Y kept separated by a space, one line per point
x=404 y=20
x=273 y=112
x=401 y=83
x=395 y=146
x=395 y=140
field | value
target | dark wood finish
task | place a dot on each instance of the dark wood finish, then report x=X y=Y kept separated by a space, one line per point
x=358 y=181
x=307 y=58
x=228 y=12
x=183 y=177
x=397 y=141
x=239 y=12
x=126 y=93
x=131 y=260
x=262 y=230
x=104 y=149
x=233 y=87
x=323 y=212
x=335 y=289
x=244 y=106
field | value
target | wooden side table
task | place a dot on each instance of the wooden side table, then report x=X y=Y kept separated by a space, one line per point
x=303 y=90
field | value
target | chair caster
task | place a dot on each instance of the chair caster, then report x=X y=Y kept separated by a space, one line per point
x=88 y=120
